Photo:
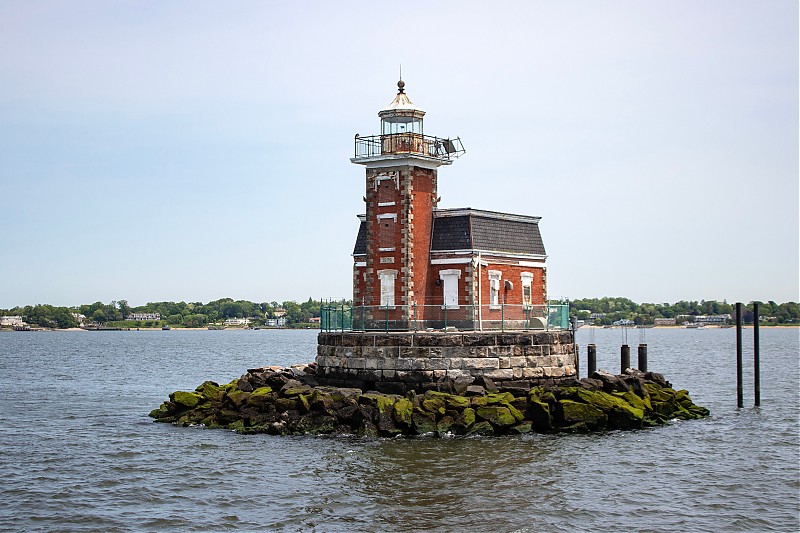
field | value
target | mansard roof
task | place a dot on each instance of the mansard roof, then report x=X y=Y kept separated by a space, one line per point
x=486 y=231
x=477 y=230
x=361 y=239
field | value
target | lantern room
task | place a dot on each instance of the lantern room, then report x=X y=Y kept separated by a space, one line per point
x=402 y=116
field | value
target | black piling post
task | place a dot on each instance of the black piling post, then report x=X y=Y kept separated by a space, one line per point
x=739 y=392
x=643 y=357
x=756 y=357
x=591 y=359
x=625 y=358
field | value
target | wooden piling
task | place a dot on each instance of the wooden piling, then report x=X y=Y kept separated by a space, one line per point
x=739 y=392
x=624 y=358
x=591 y=359
x=756 y=357
x=643 y=357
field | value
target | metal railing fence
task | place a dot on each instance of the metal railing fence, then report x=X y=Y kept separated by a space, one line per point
x=502 y=317
x=408 y=143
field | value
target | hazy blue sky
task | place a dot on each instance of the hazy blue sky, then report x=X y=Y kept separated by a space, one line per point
x=191 y=150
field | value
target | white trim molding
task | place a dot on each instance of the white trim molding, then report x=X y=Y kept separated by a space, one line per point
x=450 y=272
x=455 y=261
x=532 y=264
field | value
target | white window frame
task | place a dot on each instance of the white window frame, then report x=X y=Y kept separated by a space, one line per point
x=495 y=276
x=450 y=279
x=387 y=278
x=527 y=283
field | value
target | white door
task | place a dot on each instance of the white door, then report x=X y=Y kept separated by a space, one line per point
x=450 y=291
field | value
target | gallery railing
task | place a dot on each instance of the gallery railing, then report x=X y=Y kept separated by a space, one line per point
x=502 y=317
x=408 y=143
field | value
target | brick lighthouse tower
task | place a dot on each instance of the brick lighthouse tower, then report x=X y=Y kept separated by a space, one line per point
x=394 y=242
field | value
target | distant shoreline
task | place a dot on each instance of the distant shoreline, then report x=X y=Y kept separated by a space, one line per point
x=749 y=326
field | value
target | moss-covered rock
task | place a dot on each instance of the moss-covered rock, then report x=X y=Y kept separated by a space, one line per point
x=285 y=404
x=209 y=390
x=303 y=405
x=572 y=412
x=424 y=423
x=403 y=408
x=238 y=397
x=450 y=400
x=539 y=413
x=382 y=402
x=521 y=428
x=161 y=412
x=500 y=398
x=496 y=415
x=620 y=413
x=433 y=405
x=186 y=400
x=445 y=425
x=481 y=428
x=265 y=391
x=252 y=404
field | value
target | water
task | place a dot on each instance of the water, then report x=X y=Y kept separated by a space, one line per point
x=79 y=453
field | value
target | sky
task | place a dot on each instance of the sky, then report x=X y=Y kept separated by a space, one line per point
x=194 y=150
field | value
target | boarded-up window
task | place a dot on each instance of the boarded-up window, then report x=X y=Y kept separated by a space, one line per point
x=387 y=278
x=494 y=287
x=527 y=280
x=386 y=189
x=387 y=239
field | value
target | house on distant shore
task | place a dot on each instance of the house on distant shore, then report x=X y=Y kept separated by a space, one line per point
x=237 y=321
x=11 y=321
x=279 y=322
x=664 y=321
x=712 y=319
x=144 y=316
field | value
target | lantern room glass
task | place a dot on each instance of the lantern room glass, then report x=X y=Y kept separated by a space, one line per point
x=395 y=125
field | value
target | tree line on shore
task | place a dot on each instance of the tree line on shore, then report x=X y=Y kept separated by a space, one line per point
x=197 y=314
x=615 y=309
x=191 y=314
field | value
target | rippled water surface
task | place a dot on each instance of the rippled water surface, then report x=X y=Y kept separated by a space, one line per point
x=77 y=451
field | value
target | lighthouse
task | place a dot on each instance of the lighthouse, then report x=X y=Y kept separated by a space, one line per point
x=392 y=252
x=416 y=263
x=442 y=298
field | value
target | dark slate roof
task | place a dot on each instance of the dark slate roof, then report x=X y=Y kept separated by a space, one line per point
x=361 y=240
x=473 y=229
x=451 y=233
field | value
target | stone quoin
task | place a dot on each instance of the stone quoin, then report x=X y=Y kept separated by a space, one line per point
x=435 y=274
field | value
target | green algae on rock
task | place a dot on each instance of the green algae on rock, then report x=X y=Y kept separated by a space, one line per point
x=288 y=401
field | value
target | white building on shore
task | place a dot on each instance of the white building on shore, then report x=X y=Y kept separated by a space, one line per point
x=11 y=321
x=144 y=316
x=237 y=321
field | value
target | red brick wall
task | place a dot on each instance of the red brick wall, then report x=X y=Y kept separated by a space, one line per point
x=513 y=297
x=416 y=197
x=423 y=199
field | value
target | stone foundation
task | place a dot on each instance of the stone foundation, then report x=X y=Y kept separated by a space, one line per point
x=399 y=362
